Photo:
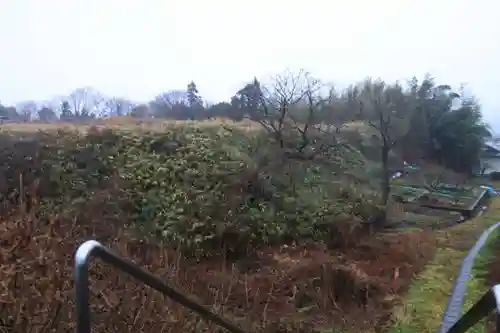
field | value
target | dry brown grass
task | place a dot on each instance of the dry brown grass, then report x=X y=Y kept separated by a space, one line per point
x=131 y=123
x=34 y=127
x=278 y=290
x=128 y=123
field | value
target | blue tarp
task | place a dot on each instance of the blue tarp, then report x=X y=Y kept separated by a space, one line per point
x=491 y=191
x=411 y=166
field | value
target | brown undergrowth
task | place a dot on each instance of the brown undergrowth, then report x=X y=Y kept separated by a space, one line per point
x=278 y=290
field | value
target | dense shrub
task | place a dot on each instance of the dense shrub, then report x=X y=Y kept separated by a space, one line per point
x=197 y=189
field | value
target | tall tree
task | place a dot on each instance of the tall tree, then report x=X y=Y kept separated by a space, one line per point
x=89 y=99
x=460 y=136
x=8 y=113
x=118 y=106
x=66 y=113
x=26 y=110
x=193 y=96
x=382 y=116
x=248 y=101
x=46 y=114
x=140 y=111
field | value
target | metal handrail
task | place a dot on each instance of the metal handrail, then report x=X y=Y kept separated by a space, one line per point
x=454 y=308
x=485 y=306
x=93 y=248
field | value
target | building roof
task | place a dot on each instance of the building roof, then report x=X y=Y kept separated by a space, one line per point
x=492 y=148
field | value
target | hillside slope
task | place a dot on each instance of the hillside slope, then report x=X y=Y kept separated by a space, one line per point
x=274 y=244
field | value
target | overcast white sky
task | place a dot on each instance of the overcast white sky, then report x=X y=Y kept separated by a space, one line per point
x=140 y=48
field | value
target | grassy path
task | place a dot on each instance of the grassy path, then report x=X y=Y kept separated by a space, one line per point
x=423 y=308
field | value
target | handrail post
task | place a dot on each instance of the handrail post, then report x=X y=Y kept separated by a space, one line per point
x=82 y=299
x=496 y=293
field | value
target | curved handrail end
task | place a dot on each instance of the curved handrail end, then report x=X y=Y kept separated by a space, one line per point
x=85 y=251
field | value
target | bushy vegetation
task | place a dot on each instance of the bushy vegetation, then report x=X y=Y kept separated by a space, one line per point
x=192 y=188
x=209 y=192
x=313 y=174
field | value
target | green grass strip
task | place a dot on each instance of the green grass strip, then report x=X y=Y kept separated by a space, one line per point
x=423 y=307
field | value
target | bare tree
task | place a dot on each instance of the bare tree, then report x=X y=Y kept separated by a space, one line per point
x=118 y=106
x=172 y=97
x=382 y=118
x=26 y=110
x=87 y=100
x=291 y=105
x=167 y=104
x=287 y=90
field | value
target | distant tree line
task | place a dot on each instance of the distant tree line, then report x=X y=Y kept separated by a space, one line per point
x=420 y=118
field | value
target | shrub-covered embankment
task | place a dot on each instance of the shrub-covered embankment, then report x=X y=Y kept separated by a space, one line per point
x=196 y=189
x=155 y=196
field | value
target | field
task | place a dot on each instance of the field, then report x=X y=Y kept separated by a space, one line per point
x=453 y=200
x=126 y=124
x=214 y=209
